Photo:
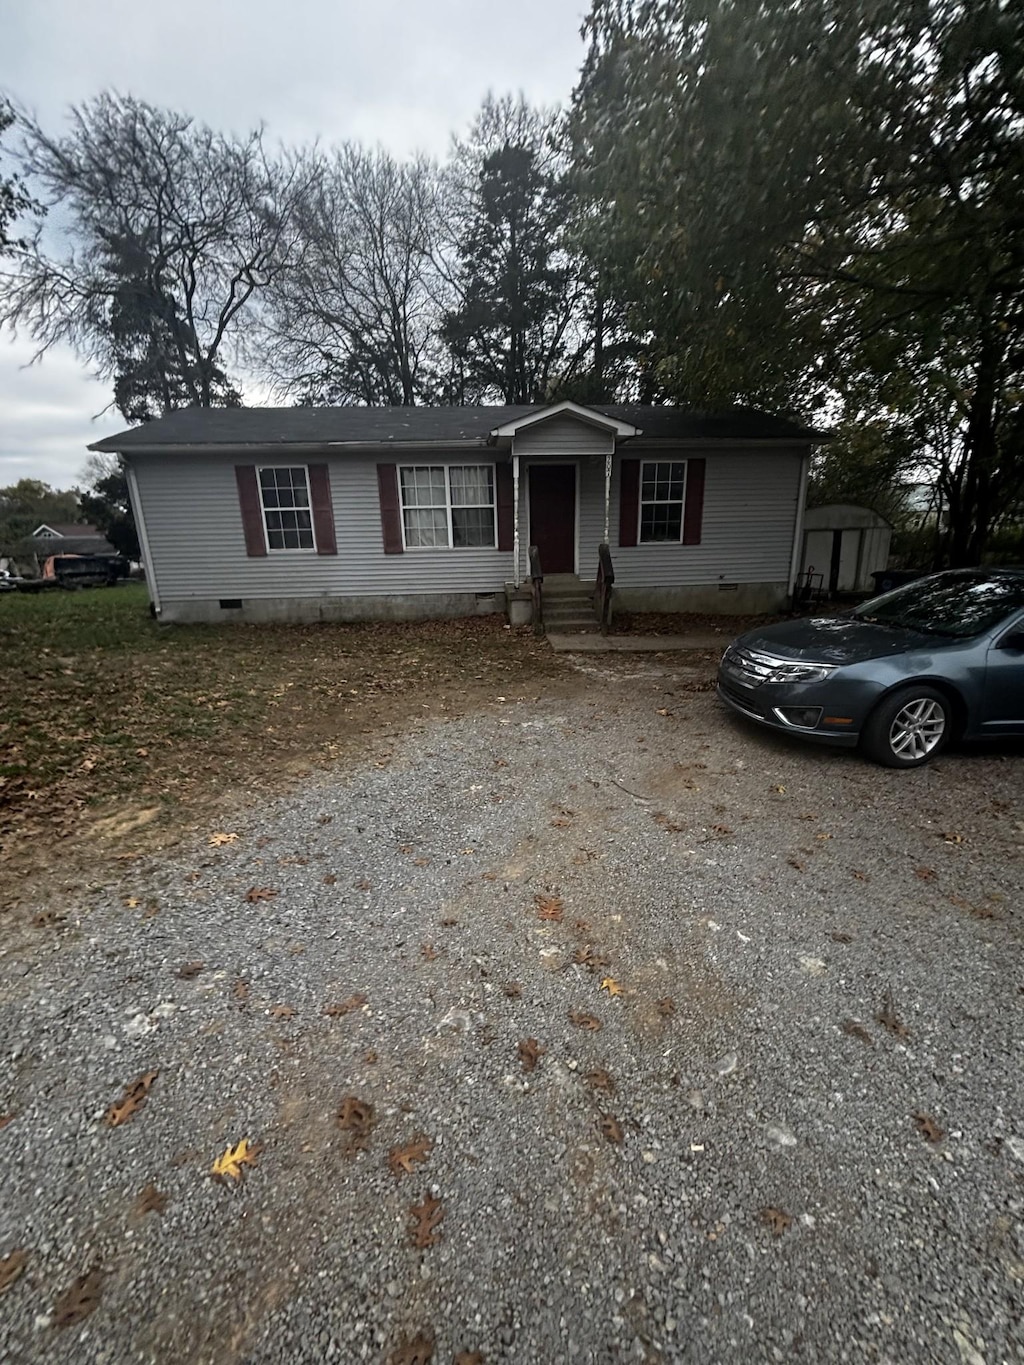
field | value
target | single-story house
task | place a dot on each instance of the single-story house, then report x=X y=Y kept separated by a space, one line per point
x=347 y=513
x=70 y=538
x=844 y=546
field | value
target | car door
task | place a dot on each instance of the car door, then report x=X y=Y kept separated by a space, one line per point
x=1003 y=706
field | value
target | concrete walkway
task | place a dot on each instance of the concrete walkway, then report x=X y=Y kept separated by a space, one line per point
x=635 y=644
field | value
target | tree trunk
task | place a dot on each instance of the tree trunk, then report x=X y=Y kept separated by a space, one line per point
x=972 y=516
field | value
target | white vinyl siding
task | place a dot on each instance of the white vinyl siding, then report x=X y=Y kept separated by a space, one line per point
x=284 y=499
x=447 y=506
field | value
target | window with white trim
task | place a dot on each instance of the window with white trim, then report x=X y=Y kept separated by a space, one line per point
x=448 y=505
x=284 y=498
x=662 y=490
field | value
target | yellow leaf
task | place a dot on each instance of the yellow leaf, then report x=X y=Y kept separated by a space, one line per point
x=610 y=985
x=219 y=840
x=781 y=790
x=133 y=902
x=229 y=1165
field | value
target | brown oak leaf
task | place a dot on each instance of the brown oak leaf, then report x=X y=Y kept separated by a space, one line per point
x=403 y=1160
x=611 y=1128
x=260 y=893
x=418 y=1350
x=190 y=969
x=549 y=907
x=363 y=885
x=513 y=990
x=777 y=1220
x=11 y=1266
x=530 y=1053
x=856 y=1030
x=329 y=879
x=80 y=1299
x=343 y=1007
x=927 y=1127
x=586 y=957
x=583 y=1020
x=601 y=1080
x=131 y=1101
x=150 y=1200
x=424 y=1221
x=428 y=952
x=666 y=1006
x=356 y=1117
x=282 y=1012
x=889 y=1019
x=240 y=990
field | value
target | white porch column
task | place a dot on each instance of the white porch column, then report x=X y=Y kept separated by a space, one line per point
x=516 y=575
x=607 y=492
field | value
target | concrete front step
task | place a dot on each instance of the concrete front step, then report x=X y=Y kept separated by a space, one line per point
x=557 y=619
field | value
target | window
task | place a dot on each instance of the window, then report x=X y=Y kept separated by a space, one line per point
x=447 y=505
x=284 y=495
x=662 y=484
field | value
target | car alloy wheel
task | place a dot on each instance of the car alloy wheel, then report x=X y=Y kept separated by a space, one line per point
x=917 y=729
x=908 y=727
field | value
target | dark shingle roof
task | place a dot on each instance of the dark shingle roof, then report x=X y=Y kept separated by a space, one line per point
x=396 y=426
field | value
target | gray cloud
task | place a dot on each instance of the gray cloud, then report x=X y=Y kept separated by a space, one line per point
x=398 y=72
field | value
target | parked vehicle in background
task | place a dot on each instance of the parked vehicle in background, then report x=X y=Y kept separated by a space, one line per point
x=900 y=676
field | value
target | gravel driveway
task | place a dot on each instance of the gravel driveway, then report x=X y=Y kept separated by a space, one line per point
x=797 y=1132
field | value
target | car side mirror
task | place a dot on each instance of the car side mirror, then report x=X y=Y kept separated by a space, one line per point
x=1013 y=641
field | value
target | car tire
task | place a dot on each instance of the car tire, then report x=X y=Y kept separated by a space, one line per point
x=908 y=728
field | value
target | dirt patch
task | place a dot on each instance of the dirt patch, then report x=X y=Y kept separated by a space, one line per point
x=119 y=735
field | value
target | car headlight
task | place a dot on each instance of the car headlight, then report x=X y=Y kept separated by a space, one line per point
x=801 y=673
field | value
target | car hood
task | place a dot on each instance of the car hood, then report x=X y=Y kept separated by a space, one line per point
x=834 y=640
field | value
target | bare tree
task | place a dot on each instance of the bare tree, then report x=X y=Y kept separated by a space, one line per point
x=169 y=234
x=354 y=318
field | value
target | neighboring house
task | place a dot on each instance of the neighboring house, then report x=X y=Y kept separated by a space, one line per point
x=846 y=545
x=304 y=514
x=71 y=538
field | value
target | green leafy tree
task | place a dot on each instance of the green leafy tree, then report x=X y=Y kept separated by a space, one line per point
x=14 y=198
x=798 y=201
x=26 y=505
x=106 y=504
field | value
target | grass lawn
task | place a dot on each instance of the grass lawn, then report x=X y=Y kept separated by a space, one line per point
x=110 y=723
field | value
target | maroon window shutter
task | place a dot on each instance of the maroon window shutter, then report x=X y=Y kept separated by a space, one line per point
x=506 y=511
x=252 y=513
x=323 y=511
x=629 y=501
x=390 y=508
x=693 y=507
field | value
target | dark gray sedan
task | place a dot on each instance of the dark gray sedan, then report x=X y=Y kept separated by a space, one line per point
x=900 y=676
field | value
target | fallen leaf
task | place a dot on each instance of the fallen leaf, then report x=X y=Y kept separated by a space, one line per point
x=131 y=1101
x=132 y=902
x=611 y=1128
x=581 y=926
x=777 y=1220
x=282 y=1012
x=190 y=969
x=219 y=840
x=925 y=874
x=47 y=919
x=795 y=862
x=229 y=1165
x=449 y=923
x=240 y=990
x=560 y=822
x=513 y=990
x=79 y=1300
x=356 y=1117
x=860 y=876
x=720 y=830
x=370 y=1057
x=530 y=1052
x=407 y=848
x=928 y=1128
x=669 y=825
x=780 y=789
x=665 y=1006
x=586 y=957
x=838 y=936
x=469 y=1358
x=354 y=1002
x=587 y=1021
x=414 y=1153
x=428 y=952
x=363 y=885
x=417 y=1351
x=329 y=880
x=260 y=893
x=822 y=836
x=610 y=985
x=549 y=907
x=601 y=1080
x=855 y=1030
x=424 y=1221
x=11 y=1267
x=5 y=1119
x=150 y=1200
x=421 y=862
x=954 y=838
x=888 y=1018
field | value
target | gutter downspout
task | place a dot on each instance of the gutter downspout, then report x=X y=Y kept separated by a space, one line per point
x=140 y=526
x=798 y=526
x=516 y=575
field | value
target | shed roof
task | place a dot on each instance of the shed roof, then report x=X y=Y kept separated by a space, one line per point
x=200 y=428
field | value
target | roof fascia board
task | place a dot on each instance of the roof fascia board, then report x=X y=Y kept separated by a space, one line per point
x=567 y=409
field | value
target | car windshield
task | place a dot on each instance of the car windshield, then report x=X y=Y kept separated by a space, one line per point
x=957 y=604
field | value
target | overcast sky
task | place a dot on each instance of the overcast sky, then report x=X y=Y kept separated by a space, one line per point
x=405 y=73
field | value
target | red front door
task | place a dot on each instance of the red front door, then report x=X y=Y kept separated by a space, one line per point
x=553 y=515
